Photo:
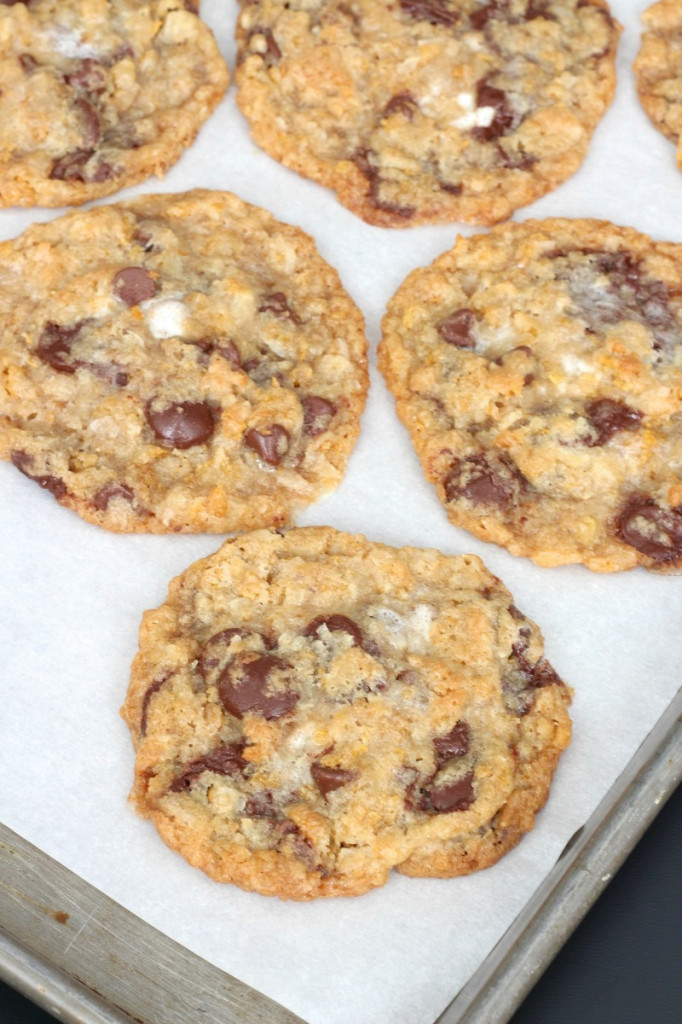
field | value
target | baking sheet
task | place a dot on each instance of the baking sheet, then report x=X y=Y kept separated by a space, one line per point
x=72 y=597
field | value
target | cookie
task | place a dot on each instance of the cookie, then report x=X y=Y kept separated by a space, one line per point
x=423 y=111
x=99 y=94
x=658 y=69
x=177 y=363
x=538 y=369
x=311 y=709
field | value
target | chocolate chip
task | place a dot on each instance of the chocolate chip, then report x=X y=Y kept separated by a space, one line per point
x=261 y=805
x=505 y=118
x=483 y=481
x=607 y=416
x=71 y=166
x=402 y=103
x=453 y=796
x=453 y=744
x=522 y=678
x=362 y=160
x=450 y=187
x=653 y=531
x=54 y=345
x=110 y=373
x=480 y=17
x=47 y=481
x=224 y=760
x=228 y=350
x=271 y=52
x=248 y=684
x=277 y=304
x=437 y=12
x=182 y=424
x=271 y=446
x=110 y=491
x=456 y=329
x=328 y=779
x=335 y=623
x=28 y=63
x=217 y=647
x=91 y=124
x=630 y=294
x=317 y=412
x=89 y=76
x=152 y=689
x=134 y=285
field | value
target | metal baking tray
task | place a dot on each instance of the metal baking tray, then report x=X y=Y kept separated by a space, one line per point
x=97 y=963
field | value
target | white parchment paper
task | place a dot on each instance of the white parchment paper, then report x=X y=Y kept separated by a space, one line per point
x=71 y=598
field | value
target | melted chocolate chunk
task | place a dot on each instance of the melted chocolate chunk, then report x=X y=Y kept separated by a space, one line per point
x=89 y=76
x=607 y=417
x=482 y=481
x=453 y=744
x=92 y=130
x=72 y=166
x=224 y=760
x=261 y=805
x=53 y=484
x=439 y=797
x=402 y=103
x=653 y=531
x=328 y=779
x=453 y=796
x=134 y=285
x=628 y=294
x=336 y=623
x=437 y=12
x=522 y=678
x=110 y=491
x=272 y=52
x=271 y=446
x=182 y=424
x=317 y=413
x=505 y=118
x=277 y=304
x=361 y=159
x=28 y=62
x=456 y=329
x=450 y=187
x=54 y=346
x=152 y=689
x=247 y=685
x=217 y=648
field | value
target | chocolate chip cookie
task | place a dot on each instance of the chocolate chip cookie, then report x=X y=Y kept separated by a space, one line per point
x=658 y=69
x=421 y=111
x=311 y=710
x=99 y=94
x=538 y=369
x=177 y=363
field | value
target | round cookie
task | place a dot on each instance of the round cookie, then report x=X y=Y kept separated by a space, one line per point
x=658 y=69
x=99 y=94
x=177 y=363
x=422 y=111
x=311 y=710
x=538 y=369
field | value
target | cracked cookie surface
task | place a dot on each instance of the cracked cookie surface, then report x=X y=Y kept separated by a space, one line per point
x=658 y=69
x=539 y=371
x=420 y=111
x=99 y=94
x=178 y=363
x=311 y=709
